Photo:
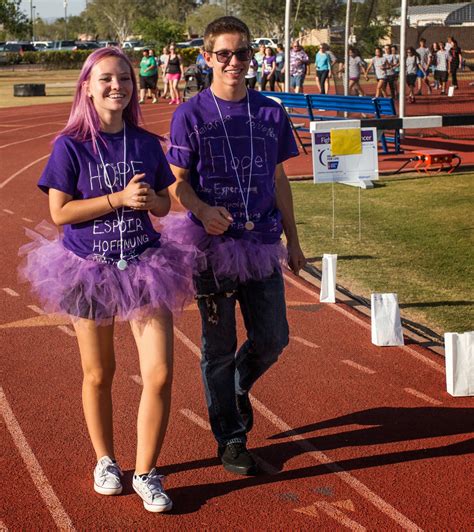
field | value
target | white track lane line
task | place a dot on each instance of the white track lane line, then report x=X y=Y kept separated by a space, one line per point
x=365 y=492
x=22 y=128
x=353 y=364
x=423 y=396
x=27 y=220
x=10 y=292
x=337 y=515
x=304 y=342
x=422 y=358
x=29 y=165
x=8 y=211
x=36 y=309
x=198 y=420
x=56 y=509
x=28 y=140
x=67 y=330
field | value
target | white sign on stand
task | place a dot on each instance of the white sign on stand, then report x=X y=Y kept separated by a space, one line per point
x=351 y=169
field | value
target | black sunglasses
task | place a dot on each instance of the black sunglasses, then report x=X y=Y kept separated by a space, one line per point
x=242 y=54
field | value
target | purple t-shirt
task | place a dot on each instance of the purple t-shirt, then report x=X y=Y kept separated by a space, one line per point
x=75 y=169
x=199 y=144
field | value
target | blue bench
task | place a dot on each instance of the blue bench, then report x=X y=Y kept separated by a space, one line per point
x=306 y=106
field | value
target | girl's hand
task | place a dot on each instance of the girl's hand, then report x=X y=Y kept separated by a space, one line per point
x=136 y=194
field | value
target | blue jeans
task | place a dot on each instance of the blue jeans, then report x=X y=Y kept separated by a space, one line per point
x=226 y=371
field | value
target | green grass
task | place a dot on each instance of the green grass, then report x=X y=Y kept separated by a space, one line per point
x=417 y=240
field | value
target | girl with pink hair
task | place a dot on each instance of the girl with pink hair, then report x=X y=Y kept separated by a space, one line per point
x=104 y=178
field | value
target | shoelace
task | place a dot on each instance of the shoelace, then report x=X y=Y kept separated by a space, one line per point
x=154 y=483
x=236 y=449
x=111 y=468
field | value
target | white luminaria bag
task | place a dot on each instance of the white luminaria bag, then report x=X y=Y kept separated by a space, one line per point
x=385 y=317
x=328 y=280
x=459 y=357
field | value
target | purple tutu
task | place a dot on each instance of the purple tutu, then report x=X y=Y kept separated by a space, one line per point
x=160 y=278
x=243 y=259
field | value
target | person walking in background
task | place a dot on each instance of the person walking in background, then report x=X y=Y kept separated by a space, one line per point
x=148 y=76
x=259 y=56
x=357 y=67
x=322 y=64
x=332 y=69
x=412 y=66
x=104 y=177
x=205 y=69
x=239 y=198
x=449 y=43
x=268 y=69
x=280 y=67
x=455 y=60
x=434 y=49
x=380 y=65
x=423 y=71
x=442 y=67
x=396 y=68
x=251 y=76
x=390 y=65
x=163 y=60
x=298 y=62
x=174 y=71
x=155 y=95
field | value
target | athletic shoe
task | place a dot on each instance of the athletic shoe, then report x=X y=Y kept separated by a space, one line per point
x=141 y=101
x=154 y=100
x=150 y=489
x=236 y=459
x=107 y=475
x=171 y=102
x=244 y=407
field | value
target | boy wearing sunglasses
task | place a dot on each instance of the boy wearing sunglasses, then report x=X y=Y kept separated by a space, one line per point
x=228 y=144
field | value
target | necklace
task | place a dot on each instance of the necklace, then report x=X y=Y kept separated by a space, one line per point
x=122 y=263
x=249 y=225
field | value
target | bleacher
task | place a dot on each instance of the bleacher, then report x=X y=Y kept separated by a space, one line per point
x=306 y=107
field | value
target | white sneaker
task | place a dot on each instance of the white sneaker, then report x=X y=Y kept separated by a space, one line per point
x=107 y=475
x=150 y=489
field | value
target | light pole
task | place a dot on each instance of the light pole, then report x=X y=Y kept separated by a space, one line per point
x=287 y=45
x=65 y=20
x=33 y=22
x=31 y=19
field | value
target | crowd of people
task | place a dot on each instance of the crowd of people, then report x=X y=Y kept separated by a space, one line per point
x=427 y=69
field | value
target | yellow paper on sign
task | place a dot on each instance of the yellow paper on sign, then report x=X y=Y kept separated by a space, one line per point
x=346 y=141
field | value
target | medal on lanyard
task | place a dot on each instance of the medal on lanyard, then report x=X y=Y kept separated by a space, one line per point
x=249 y=225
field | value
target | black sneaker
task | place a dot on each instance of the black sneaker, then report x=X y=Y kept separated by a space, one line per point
x=236 y=459
x=244 y=406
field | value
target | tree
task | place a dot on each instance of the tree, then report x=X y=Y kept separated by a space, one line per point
x=159 y=30
x=13 y=20
x=115 y=18
x=197 y=21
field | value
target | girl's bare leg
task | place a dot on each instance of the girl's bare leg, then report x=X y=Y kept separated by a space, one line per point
x=98 y=365
x=154 y=339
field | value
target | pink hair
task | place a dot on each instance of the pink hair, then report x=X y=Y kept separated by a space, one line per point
x=84 y=123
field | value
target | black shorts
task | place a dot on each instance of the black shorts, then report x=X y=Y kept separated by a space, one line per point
x=148 y=82
x=441 y=75
x=411 y=80
x=279 y=76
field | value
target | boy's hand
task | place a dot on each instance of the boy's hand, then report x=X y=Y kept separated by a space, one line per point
x=216 y=220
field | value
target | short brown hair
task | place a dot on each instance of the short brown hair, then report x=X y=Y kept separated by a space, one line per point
x=224 y=25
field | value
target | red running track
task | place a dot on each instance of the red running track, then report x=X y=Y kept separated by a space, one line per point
x=350 y=435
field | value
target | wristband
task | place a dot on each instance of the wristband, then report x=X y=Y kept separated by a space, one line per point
x=111 y=206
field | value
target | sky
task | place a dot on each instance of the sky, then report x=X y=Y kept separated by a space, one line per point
x=51 y=9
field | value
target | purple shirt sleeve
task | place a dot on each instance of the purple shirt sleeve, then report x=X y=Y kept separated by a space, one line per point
x=184 y=148
x=62 y=170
